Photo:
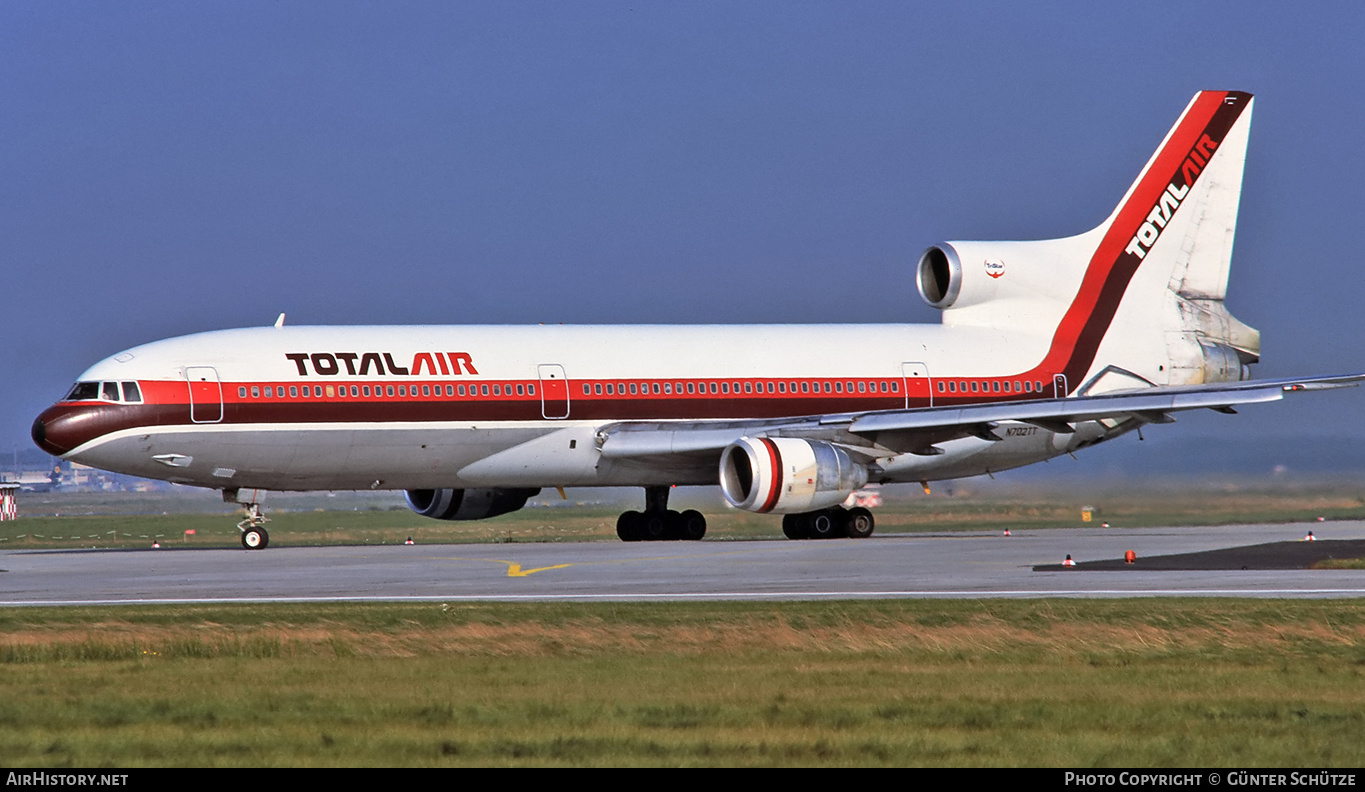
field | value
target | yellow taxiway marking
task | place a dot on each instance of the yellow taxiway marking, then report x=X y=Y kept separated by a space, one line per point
x=515 y=570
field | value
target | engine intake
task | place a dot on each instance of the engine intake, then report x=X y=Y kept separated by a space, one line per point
x=466 y=504
x=787 y=475
x=939 y=276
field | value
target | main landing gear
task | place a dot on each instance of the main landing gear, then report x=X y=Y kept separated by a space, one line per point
x=658 y=523
x=254 y=536
x=856 y=523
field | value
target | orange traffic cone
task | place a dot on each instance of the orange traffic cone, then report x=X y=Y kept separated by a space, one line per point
x=1129 y=557
x=1007 y=532
x=409 y=541
x=1310 y=537
x=1068 y=562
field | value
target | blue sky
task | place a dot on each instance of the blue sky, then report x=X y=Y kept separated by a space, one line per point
x=176 y=167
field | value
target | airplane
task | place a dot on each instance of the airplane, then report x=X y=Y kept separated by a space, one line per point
x=1045 y=348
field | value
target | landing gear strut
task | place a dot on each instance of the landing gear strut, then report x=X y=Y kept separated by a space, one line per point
x=856 y=523
x=658 y=523
x=254 y=536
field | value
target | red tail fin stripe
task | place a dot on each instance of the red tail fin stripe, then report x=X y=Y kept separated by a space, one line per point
x=1077 y=337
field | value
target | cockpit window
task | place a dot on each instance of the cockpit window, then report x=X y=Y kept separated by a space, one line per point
x=104 y=391
x=84 y=391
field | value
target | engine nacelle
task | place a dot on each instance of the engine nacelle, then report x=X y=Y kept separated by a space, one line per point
x=787 y=475
x=1003 y=284
x=466 y=504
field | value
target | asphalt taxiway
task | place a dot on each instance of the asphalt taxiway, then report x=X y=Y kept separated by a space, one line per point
x=960 y=565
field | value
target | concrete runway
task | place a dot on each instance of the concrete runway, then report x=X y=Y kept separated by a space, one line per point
x=961 y=565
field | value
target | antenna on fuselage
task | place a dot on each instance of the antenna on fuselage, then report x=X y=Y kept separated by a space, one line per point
x=280 y=322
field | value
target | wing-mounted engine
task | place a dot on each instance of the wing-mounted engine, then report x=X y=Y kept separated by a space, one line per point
x=466 y=504
x=786 y=475
x=1016 y=285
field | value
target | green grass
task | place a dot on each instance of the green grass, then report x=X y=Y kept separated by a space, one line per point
x=989 y=683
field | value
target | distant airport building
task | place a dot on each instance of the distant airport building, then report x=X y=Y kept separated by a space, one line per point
x=9 y=504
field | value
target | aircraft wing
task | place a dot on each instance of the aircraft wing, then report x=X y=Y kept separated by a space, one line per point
x=917 y=430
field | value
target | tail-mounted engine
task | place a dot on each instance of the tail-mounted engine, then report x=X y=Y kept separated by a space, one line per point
x=787 y=475
x=467 y=504
x=1020 y=285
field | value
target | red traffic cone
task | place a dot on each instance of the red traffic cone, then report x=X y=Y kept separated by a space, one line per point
x=1068 y=562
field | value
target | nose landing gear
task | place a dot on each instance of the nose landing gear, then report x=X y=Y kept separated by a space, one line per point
x=254 y=535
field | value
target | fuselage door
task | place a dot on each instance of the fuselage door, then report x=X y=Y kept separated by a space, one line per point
x=206 y=394
x=554 y=391
x=919 y=390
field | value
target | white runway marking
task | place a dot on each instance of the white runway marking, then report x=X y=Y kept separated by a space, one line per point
x=735 y=595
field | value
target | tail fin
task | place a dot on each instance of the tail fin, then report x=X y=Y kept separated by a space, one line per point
x=1137 y=300
x=1176 y=226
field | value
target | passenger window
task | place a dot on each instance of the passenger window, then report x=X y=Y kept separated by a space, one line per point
x=293 y=391
x=530 y=390
x=255 y=392
x=241 y=392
